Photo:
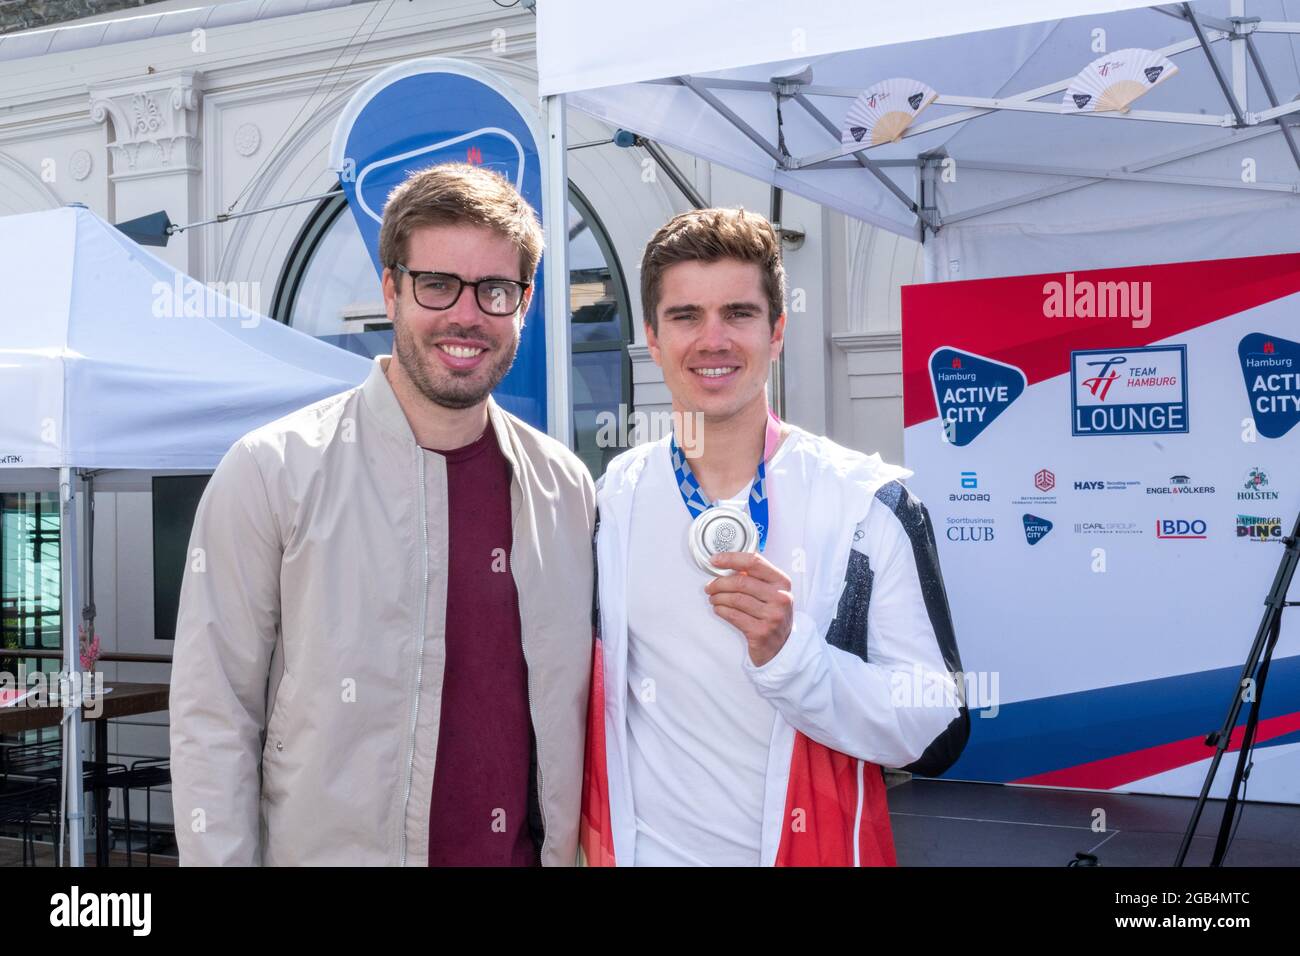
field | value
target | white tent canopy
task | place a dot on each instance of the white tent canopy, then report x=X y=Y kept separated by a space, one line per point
x=112 y=359
x=992 y=177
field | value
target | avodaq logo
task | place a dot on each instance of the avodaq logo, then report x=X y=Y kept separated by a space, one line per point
x=1271 y=367
x=970 y=391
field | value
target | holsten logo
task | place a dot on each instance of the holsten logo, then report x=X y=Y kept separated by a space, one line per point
x=1036 y=528
x=1271 y=366
x=1180 y=485
x=975 y=530
x=1259 y=529
x=1129 y=392
x=970 y=391
x=1255 y=487
x=1180 y=528
x=1084 y=299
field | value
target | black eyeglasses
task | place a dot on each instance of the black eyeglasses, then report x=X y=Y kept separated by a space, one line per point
x=441 y=290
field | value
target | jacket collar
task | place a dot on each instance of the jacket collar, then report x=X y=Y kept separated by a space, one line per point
x=380 y=399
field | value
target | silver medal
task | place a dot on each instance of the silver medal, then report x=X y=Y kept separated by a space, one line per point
x=721 y=528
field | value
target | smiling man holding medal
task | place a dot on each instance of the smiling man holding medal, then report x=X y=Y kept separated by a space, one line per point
x=772 y=624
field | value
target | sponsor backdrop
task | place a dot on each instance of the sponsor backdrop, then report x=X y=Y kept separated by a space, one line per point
x=1110 y=459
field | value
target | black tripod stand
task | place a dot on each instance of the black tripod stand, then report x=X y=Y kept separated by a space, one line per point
x=1249 y=687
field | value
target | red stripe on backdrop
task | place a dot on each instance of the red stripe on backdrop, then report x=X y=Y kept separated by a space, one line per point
x=1004 y=319
x=1125 y=768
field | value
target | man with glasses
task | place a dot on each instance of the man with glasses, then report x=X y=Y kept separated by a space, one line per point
x=383 y=655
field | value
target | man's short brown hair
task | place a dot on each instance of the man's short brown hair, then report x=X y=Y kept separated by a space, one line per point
x=708 y=235
x=450 y=194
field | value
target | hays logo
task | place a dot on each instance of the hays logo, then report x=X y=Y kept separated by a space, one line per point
x=1104 y=485
x=1255 y=487
x=1036 y=528
x=1180 y=529
x=970 y=391
x=1271 y=366
x=1139 y=391
x=1259 y=529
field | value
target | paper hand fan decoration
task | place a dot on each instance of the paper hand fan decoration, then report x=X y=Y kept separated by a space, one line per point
x=1114 y=81
x=884 y=111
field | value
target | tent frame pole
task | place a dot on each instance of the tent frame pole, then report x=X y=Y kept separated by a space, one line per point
x=71 y=686
x=1287 y=132
x=1047 y=191
x=862 y=160
x=1214 y=66
x=983 y=106
x=555 y=205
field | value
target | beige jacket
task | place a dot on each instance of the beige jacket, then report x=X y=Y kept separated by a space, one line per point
x=306 y=683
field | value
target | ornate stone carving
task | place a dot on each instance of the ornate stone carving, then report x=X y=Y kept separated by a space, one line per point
x=155 y=122
x=80 y=164
x=247 y=139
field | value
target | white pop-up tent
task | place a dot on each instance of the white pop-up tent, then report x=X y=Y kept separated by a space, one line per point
x=113 y=362
x=997 y=176
x=991 y=176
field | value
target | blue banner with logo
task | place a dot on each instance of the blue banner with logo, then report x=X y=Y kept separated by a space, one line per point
x=426 y=112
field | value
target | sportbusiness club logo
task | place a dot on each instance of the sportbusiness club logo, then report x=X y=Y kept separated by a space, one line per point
x=1141 y=391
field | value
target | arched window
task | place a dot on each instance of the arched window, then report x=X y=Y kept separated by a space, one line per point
x=329 y=289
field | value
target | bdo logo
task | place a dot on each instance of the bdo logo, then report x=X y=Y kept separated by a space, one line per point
x=1180 y=528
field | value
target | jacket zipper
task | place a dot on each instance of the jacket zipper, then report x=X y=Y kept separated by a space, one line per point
x=528 y=689
x=419 y=653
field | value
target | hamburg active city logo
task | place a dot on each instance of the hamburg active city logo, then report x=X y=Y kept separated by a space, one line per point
x=1139 y=391
x=971 y=391
x=1270 y=365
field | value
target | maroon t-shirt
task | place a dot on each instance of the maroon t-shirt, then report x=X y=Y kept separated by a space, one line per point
x=479 y=812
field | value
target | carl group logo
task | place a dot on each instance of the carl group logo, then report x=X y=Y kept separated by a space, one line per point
x=1181 y=529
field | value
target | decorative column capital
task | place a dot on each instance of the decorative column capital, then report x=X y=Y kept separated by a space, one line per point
x=155 y=122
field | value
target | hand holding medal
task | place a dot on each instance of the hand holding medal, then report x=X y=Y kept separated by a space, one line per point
x=750 y=592
x=756 y=600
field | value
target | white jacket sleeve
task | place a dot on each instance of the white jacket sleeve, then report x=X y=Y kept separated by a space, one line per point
x=882 y=686
x=226 y=629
